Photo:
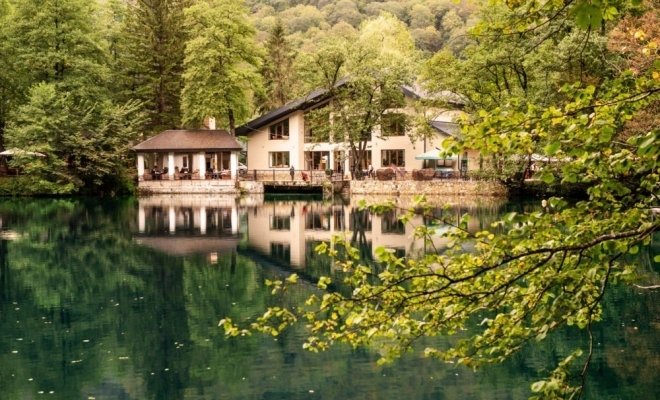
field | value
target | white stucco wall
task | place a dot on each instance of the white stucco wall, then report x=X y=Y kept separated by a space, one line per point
x=259 y=145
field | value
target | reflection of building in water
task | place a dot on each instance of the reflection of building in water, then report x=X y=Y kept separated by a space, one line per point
x=183 y=225
x=289 y=231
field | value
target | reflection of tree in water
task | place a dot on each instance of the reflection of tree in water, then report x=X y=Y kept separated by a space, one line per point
x=360 y=224
x=77 y=264
x=156 y=330
x=76 y=275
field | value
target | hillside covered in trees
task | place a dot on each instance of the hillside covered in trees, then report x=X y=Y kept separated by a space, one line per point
x=576 y=82
x=434 y=24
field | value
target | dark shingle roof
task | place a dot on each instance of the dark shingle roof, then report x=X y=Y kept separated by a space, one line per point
x=320 y=95
x=313 y=98
x=200 y=139
x=449 y=128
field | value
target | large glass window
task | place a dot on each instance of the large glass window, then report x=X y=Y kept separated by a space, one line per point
x=317 y=160
x=278 y=159
x=279 y=130
x=393 y=158
x=393 y=124
x=317 y=221
x=280 y=223
x=360 y=220
x=365 y=161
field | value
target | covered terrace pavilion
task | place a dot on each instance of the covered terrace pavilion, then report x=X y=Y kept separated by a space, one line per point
x=188 y=155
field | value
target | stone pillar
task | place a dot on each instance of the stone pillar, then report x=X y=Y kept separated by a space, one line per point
x=331 y=160
x=233 y=164
x=201 y=164
x=172 y=220
x=202 y=220
x=140 y=166
x=234 y=220
x=141 y=219
x=170 y=166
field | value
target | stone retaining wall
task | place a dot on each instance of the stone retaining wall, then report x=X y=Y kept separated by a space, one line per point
x=251 y=187
x=450 y=187
x=366 y=187
x=188 y=186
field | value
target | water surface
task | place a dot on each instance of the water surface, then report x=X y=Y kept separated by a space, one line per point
x=121 y=299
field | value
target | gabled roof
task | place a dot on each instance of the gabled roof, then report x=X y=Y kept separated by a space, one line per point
x=448 y=128
x=320 y=95
x=189 y=140
x=313 y=98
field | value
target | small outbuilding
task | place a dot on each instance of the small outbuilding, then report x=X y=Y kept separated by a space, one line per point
x=188 y=155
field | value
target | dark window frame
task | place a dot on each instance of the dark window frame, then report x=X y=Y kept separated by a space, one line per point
x=393 y=156
x=279 y=131
x=282 y=164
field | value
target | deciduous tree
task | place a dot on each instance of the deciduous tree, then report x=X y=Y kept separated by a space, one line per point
x=530 y=273
x=221 y=64
x=363 y=80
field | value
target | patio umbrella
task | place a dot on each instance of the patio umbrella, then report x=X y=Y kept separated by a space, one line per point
x=434 y=155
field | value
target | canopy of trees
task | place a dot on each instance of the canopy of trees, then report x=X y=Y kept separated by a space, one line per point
x=576 y=82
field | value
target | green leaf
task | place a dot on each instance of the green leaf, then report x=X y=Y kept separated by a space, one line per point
x=538 y=386
x=547 y=177
x=551 y=148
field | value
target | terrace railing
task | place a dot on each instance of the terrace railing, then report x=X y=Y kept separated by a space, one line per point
x=273 y=175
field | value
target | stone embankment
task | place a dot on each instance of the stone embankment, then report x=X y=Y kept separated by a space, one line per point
x=449 y=187
x=188 y=187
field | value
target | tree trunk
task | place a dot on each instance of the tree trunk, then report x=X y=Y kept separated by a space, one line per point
x=232 y=122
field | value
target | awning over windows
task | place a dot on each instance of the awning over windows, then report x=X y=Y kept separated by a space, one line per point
x=434 y=154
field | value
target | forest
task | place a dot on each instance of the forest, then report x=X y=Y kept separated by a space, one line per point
x=82 y=81
x=574 y=80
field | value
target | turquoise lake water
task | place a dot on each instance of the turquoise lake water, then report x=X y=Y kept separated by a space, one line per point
x=120 y=299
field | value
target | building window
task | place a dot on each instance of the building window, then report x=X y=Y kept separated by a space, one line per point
x=317 y=160
x=278 y=159
x=280 y=223
x=317 y=221
x=280 y=251
x=390 y=223
x=393 y=124
x=393 y=158
x=279 y=130
x=360 y=221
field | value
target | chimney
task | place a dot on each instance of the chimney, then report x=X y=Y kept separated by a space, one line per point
x=212 y=123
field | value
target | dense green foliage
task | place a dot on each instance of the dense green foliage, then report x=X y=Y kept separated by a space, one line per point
x=379 y=60
x=552 y=79
x=147 y=50
x=574 y=82
x=221 y=64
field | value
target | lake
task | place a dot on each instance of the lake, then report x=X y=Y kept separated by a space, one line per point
x=120 y=299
